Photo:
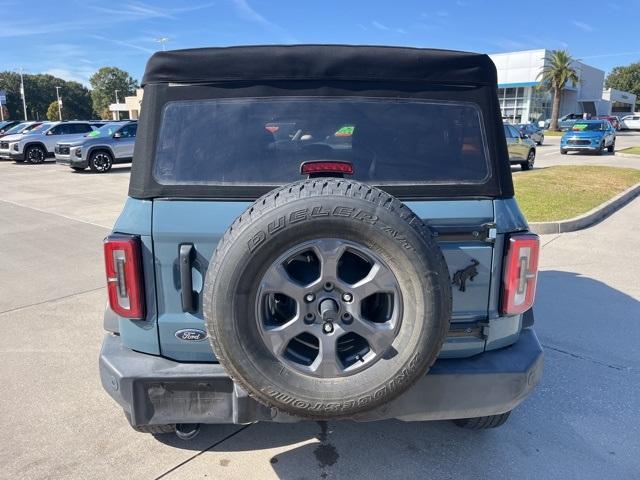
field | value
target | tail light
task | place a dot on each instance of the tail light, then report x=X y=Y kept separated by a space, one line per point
x=520 y=273
x=325 y=166
x=123 y=264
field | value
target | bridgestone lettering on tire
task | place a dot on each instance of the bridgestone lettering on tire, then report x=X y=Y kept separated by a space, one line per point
x=327 y=298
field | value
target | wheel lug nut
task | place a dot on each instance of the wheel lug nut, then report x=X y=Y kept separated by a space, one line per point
x=327 y=327
x=309 y=297
x=347 y=297
x=347 y=318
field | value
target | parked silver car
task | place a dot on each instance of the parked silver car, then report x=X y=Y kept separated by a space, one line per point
x=111 y=143
x=532 y=131
x=14 y=134
x=40 y=144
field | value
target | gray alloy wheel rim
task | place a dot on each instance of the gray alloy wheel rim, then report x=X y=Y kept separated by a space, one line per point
x=101 y=162
x=35 y=155
x=531 y=158
x=337 y=331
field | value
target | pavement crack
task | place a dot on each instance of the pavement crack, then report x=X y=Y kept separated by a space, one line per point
x=11 y=202
x=212 y=446
x=614 y=366
x=557 y=236
x=51 y=300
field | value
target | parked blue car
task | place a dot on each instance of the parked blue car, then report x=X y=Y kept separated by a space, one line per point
x=592 y=135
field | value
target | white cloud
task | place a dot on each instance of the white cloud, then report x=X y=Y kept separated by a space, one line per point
x=125 y=43
x=585 y=27
x=248 y=13
x=101 y=17
x=386 y=28
x=78 y=74
x=510 y=44
x=380 y=26
x=142 y=11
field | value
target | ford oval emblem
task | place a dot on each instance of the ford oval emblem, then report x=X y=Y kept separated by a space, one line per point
x=191 y=334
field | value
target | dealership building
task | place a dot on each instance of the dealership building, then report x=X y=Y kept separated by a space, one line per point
x=521 y=101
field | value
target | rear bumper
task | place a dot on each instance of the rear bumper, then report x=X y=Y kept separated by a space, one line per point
x=155 y=390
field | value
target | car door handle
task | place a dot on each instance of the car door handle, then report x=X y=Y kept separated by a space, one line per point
x=186 y=285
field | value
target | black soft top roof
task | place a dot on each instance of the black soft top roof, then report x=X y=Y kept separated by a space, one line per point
x=320 y=62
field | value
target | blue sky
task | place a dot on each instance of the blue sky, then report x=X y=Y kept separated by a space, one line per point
x=73 y=38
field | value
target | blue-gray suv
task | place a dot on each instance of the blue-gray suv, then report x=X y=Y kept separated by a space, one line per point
x=319 y=232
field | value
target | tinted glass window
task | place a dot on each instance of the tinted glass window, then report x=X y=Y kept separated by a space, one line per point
x=106 y=130
x=264 y=141
x=36 y=128
x=80 y=128
x=17 y=128
x=129 y=130
x=58 y=130
x=509 y=132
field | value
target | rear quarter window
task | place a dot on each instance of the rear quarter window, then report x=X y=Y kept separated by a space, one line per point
x=263 y=141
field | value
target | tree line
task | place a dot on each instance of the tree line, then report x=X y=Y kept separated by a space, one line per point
x=81 y=103
x=78 y=102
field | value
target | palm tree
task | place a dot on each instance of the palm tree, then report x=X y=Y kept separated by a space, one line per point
x=555 y=74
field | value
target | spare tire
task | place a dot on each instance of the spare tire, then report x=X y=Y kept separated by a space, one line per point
x=327 y=298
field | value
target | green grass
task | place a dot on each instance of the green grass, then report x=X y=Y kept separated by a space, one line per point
x=632 y=150
x=552 y=133
x=562 y=192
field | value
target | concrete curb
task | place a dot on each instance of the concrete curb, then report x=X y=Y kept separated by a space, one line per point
x=627 y=155
x=594 y=216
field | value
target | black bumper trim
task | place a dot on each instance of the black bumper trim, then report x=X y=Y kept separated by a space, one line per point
x=155 y=390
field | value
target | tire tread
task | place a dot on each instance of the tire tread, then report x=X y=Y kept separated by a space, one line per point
x=310 y=188
x=483 y=423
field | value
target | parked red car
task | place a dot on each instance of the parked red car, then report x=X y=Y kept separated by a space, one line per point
x=615 y=121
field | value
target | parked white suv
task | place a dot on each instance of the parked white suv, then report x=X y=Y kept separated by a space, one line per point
x=630 y=122
x=40 y=145
x=14 y=134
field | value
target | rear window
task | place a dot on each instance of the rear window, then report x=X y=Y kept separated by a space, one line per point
x=263 y=141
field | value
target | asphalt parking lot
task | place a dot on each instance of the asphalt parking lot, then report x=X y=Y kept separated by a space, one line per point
x=581 y=422
x=548 y=154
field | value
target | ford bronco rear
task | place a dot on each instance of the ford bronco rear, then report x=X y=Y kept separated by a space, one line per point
x=319 y=232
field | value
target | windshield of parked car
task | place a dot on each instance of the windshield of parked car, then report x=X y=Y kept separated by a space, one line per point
x=106 y=130
x=19 y=128
x=580 y=127
x=264 y=141
x=38 y=128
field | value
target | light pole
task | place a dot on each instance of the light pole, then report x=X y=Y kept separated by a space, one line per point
x=59 y=103
x=117 y=111
x=24 y=101
x=162 y=41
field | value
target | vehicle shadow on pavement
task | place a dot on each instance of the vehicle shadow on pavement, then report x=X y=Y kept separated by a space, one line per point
x=570 y=312
x=585 y=316
x=362 y=450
